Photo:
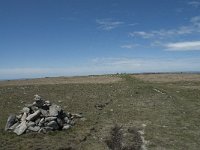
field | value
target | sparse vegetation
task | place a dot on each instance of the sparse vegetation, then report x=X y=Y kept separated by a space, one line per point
x=171 y=119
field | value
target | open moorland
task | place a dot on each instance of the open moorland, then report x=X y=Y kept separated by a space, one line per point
x=160 y=111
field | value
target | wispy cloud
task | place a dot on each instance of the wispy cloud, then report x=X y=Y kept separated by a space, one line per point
x=129 y=46
x=192 y=27
x=195 y=4
x=148 y=64
x=108 y=24
x=195 y=21
x=142 y=34
x=133 y=24
x=183 y=46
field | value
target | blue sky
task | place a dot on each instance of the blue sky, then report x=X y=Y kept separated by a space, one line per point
x=41 y=38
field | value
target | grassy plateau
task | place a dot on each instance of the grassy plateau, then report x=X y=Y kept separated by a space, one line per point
x=166 y=107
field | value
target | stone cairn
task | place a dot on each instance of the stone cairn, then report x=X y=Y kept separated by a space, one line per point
x=41 y=117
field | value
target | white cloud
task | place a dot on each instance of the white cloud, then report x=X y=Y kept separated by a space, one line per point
x=129 y=46
x=192 y=27
x=133 y=24
x=195 y=21
x=195 y=4
x=142 y=34
x=164 y=33
x=108 y=24
x=183 y=46
x=148 y=64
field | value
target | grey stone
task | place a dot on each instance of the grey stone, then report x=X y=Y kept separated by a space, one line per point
x=39 y=103
x=66 y=127
x=19 y=117
x=37 y=121
x=23 y=118
x=66 y=120
x=54 y=110
x=33 y=116
x=77 y=115
x=14 y=126
x=34 y=108
x=21 y=128
x=26 y=110
x=44 y=112
x=48 y=119
x=47 y=103
x=48 y=129
x=53 y=124
x=41 y=122
x=34 y=129
x=29 y=124
x=60 y=122
x=37 y=97
x=42 y=130
x=11 y=121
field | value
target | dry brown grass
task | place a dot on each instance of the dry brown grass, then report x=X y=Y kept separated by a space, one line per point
x=160 y=78
x=63 y=80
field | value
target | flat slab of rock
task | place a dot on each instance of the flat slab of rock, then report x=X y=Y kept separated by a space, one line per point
x=24 y=116
x=14 y=126
x=34 y=129
x=54 y=110
x=10 y=122
x=21 y=128
x=48 y=119
x=33 y=116
x=66 y=127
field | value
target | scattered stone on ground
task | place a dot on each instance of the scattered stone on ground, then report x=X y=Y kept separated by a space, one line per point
x=41 y=116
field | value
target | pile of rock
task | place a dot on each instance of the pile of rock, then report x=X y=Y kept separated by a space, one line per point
x=41 y=116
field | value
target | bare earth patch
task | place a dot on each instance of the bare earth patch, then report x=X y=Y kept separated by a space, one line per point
x=63 y=80
x=168 y=77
